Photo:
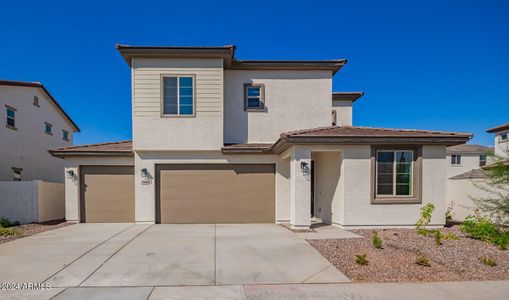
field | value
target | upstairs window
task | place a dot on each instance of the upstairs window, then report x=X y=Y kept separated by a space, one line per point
x=254 y=97
x=36 y=101
x=178 y=95
x=65 y=135
x=394 y=172
x=502 y=138
x=48 y=128
x=482 y=160
x=334 y=118
x=455 y=160
x=10 y=121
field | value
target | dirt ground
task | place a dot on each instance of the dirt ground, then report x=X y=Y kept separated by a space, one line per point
x=34 y=228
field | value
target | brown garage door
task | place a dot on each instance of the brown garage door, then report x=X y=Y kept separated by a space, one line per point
x=107 y=194
x=218 y=193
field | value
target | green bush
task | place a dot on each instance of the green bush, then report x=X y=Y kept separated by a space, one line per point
x=488 y=261
x=376 y=240
x=450 y=236
x=9 y=231
x=425 y=219
x=485 y=230
x=4 y=222
x=361 y=259
x=422 y=260
x=438 y=237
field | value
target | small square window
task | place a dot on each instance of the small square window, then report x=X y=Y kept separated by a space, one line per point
x=48 y=128
x=65 y=135
x=455 y=160
x=482 y=160
x=254 y=97
x=36 y=101
x=503 y=137
x=10 y=120
x=16 y=174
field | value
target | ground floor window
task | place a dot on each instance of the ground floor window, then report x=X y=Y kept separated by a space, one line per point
x=16 y=174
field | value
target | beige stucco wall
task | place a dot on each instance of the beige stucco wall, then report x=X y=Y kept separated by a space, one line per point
x=27 y=147
x=501 y=147
x=328 y=197
x=468 y=162
x=145 y=194
x=204 y=131
x=50 y=201
x=460 y=193
x=343 y=112
x=293 y=100
x=72 y=184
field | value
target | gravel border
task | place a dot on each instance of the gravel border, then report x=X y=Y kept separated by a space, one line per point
x=454 y=260
x=34 y=228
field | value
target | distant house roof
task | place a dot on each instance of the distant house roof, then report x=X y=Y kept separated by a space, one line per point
x=39 y=85
x=498 y=128
x=472 y=174
x=468 y=148
x=227 y=53
x=349 y=96
x=123 y=148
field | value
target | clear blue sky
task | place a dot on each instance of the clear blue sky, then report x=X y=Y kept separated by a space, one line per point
x=423 y=64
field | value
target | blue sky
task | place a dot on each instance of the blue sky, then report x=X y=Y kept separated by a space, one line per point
x=423 y=64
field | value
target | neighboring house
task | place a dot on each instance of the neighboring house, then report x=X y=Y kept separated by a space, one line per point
x=32 y=123
x=501 y=141
x=463 y=158
x=222 y=140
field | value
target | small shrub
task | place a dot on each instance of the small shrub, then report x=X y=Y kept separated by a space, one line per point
x=4 y=222
x=422 y=260
x=438 y=237
x=361 y=259
x=488 y=261
x=485 y=230
x=376 y=240
x=9 y=231
x=450 y=236
x=425 y=219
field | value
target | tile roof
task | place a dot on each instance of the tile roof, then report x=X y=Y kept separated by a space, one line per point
x=37 y=84
x=498 y=128
x=247 y=148
x=120 y=148
x=468 y=148
x=359 y=131
x=472 y=174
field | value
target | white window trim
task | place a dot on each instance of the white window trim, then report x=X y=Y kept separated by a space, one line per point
x=63 y=135
x=394 y=174
x=47 y=124
x=178 y=115
x=500 y=139
x=456 y=165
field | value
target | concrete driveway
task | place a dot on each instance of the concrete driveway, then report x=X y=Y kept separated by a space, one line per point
x=128 y=255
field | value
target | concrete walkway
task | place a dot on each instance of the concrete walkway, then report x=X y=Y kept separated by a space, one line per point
x=485 y=290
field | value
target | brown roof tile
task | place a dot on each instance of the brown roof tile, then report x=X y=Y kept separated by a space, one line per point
x=247 y=148
x=498 y=128
x=468 y=148
x=359 y=131
x=472 y=174
x=120 y=148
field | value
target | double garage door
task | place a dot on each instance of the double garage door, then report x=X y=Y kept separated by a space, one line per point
x=198 y=193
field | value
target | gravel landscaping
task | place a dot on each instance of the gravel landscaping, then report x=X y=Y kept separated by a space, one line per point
x=34 y=228
x=454 y=260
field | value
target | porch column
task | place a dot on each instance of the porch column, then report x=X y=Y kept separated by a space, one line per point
x=300 y=188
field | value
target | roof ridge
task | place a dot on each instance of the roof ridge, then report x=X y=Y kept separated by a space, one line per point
x=92 y=145
x=413 y=130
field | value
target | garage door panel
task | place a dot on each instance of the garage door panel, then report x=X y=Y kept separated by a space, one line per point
x=217 y=193
x=107 y=194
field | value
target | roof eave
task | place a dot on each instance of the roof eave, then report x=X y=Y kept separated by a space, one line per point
x=65 y=154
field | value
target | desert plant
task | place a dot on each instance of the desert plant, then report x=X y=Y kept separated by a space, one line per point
x=425 y=219
x=5 y=223
x=438 y=237
x=361 y=259
x=449 y=236
x=376 y=240
x=488 y=261
x=422 y=260
x=485 y=230
x=9 y=231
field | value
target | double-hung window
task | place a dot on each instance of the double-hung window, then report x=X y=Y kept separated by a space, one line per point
x=254 y=97
x=394 y=172
x=48 y=128
x=502 y=138
x=178 y=95
x=65 y=135
x=456 y=160
x=11 y=117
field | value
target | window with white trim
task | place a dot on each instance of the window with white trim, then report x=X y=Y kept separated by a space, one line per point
x=65 y=135
x=456 y=160
x=11 y=117
x=254 y=97
x=394 y=172
x=48 y=127
x=502 y=138
x=178 y=95
x=482 y=159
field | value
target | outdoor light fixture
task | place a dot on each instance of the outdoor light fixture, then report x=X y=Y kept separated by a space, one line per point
x=144 y=172
x=70 y=174
x=304 y=167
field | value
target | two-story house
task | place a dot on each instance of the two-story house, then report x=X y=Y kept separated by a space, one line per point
x=217 y=139
x=33 y=122
x=501 y=141
x=466 y=157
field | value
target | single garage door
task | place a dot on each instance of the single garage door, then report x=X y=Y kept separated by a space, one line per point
x=217 y=193
x=107 y=194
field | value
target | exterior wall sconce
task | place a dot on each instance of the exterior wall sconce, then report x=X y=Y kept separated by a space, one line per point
x=304 y=167
x=144 y=173
x=71 y=174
